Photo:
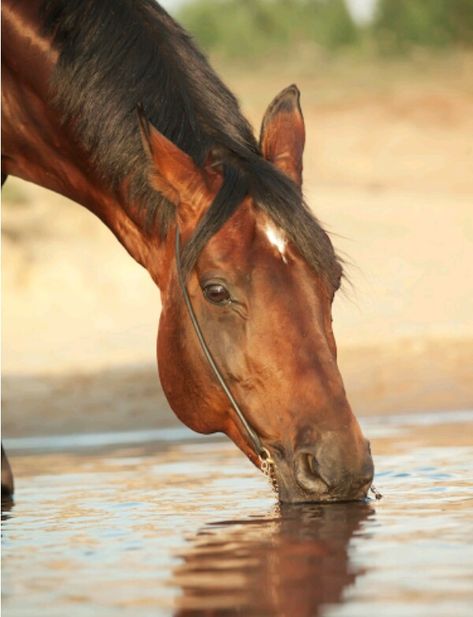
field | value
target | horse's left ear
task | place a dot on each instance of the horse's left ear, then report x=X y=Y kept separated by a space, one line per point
x=172 y=172
x=282 y=135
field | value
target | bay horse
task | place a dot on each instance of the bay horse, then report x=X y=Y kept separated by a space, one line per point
x=111 y=104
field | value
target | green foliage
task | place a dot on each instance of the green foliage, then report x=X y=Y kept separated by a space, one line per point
x=400 y=25
x=258 y=28
x=249 y=28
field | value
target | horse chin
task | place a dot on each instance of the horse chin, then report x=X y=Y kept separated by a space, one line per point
x=323 y=499
x=295 y=498
x=290 y=492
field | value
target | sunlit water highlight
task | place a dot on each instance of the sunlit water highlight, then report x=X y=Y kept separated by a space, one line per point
x=190 y=528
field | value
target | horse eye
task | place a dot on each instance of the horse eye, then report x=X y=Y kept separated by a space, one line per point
x=216 y=293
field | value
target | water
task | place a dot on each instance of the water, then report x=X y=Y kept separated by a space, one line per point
x=189 y=528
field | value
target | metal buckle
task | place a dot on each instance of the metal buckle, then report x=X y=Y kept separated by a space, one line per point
x=267 y=467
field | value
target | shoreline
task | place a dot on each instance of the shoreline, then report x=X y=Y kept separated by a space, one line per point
x=403 y=377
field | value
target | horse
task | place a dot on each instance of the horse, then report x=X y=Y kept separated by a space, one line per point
x=111 y=104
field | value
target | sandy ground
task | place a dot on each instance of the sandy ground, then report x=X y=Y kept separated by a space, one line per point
x=388 y=169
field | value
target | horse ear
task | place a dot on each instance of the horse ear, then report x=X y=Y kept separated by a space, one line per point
x=173 y=172
x=282 y=135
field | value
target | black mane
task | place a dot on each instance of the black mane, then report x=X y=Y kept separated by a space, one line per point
x=115 y=55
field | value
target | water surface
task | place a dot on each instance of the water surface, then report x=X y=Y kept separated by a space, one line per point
x=189 y=528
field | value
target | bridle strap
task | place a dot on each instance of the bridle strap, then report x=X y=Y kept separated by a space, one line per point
x=254 y=438
x=266 y=462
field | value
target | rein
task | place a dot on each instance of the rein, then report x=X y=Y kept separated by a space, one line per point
x=265 y=459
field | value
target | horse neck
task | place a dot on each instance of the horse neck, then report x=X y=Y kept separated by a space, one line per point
x=37 y=148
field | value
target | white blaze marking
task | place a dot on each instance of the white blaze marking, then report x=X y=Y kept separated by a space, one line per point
x=276 y=239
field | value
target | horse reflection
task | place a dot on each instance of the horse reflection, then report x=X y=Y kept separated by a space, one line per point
x=290 y=565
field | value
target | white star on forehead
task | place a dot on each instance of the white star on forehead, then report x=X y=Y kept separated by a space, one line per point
x=277 y=239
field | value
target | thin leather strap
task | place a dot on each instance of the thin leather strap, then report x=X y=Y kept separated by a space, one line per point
x=254 y=438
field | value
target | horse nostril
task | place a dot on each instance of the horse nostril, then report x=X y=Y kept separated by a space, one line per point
x=312 y=464
x=308 y=474
x=326 y=472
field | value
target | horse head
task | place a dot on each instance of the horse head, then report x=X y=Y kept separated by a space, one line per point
x=264 y=308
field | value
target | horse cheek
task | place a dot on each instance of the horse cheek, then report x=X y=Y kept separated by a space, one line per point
x=196 y=402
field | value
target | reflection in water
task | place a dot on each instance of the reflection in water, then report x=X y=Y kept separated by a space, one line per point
x=286 y=566
x=189 y=529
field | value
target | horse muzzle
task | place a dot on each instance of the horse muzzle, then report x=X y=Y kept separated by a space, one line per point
x=325 y=472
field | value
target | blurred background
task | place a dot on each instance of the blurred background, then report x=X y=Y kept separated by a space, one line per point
x=387 y=94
